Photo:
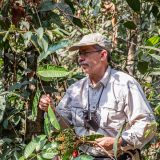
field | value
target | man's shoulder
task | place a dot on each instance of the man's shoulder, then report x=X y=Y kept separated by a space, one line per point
x=78 y=84
x=121 y=77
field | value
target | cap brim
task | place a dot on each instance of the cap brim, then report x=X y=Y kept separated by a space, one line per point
x=78 y=45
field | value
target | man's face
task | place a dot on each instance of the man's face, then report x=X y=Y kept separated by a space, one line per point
x=90 y=59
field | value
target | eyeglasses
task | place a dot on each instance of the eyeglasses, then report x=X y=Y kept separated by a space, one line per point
x=85 y=53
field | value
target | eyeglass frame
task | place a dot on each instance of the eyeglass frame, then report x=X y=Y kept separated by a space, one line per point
x=85 y=53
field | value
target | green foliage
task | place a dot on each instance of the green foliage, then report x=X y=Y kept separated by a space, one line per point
x=53 y=118
x=49 y=72
x=115 y=145
x=41 y=36
x=84 y=157
x=135 y=5
x=35 y=105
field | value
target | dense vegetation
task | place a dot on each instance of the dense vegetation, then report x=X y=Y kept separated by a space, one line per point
x=34 y=37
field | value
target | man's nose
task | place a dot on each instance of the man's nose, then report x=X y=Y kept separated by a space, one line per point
x=81 y=58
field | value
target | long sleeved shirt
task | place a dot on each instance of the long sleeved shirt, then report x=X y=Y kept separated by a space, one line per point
x=121 y=99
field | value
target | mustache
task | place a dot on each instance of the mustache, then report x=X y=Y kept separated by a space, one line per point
x=83 y=63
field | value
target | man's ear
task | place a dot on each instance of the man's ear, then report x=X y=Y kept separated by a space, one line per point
x=104 y=55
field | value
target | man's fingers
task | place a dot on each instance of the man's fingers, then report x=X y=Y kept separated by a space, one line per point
x=44 y=102
x=100 y=139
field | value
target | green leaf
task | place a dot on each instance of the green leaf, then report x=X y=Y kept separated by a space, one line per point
x=115 y=145
x=35 y=43
x=47 y=126
x=51 y=146
x=49 y=155
x=6 y=36
x=48 y=73
x=40 y=32
x=49 y=34
x=142 y=67
x=35 y=104
x=155 y=71
x=5 y=123
x=157 y=109
x=27 y=37
x=65 y=9
x=130 y=25
x=61 y=44
x=35 y=143
x=16 y=119
x=155 y=11
x=42 y=141
x=84 y=157
x=30 y=148
x=96 y=4
x=134 y=4
x=43 y=44
x=77 y=22
x=153 y=40
x=93 y=137
x=53 y=118
x=155 y=56
x=151 y=48
x=2 y=107
x=47 y=6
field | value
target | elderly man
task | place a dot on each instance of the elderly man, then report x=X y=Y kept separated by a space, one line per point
x=103 y=101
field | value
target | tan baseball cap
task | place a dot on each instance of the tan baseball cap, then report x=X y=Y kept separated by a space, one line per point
x=92 y=39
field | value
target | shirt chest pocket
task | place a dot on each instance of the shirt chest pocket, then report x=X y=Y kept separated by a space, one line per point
x=77 y=115
x=112 y=115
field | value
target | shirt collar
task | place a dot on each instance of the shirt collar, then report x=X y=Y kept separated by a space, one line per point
x=104 y=79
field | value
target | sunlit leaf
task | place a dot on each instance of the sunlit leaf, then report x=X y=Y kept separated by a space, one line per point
x=40 y=32
x=49 y=155
x=155 y=56
x=30 y=148
x=6 y=36
x=153 y=40
x=150 y=48
x=43 y=44
x=53 y=118
x=115 y=145
x=52 y=146
x=27 y=37
x=48 y=73
x=35 y=104
x=157 y=109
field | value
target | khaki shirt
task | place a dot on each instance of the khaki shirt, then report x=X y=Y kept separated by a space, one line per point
x=122 y=99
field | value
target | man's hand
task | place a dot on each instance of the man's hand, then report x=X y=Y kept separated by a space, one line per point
x=107 y=142
x=44 y=102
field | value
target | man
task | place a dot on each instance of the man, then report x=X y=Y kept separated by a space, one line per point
x=103 y=101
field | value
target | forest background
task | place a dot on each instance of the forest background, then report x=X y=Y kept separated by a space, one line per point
x=34 y=38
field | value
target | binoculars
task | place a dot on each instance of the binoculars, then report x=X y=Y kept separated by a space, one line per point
x=91 y=120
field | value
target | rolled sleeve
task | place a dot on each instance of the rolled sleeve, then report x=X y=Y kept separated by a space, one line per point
x=141 y=121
